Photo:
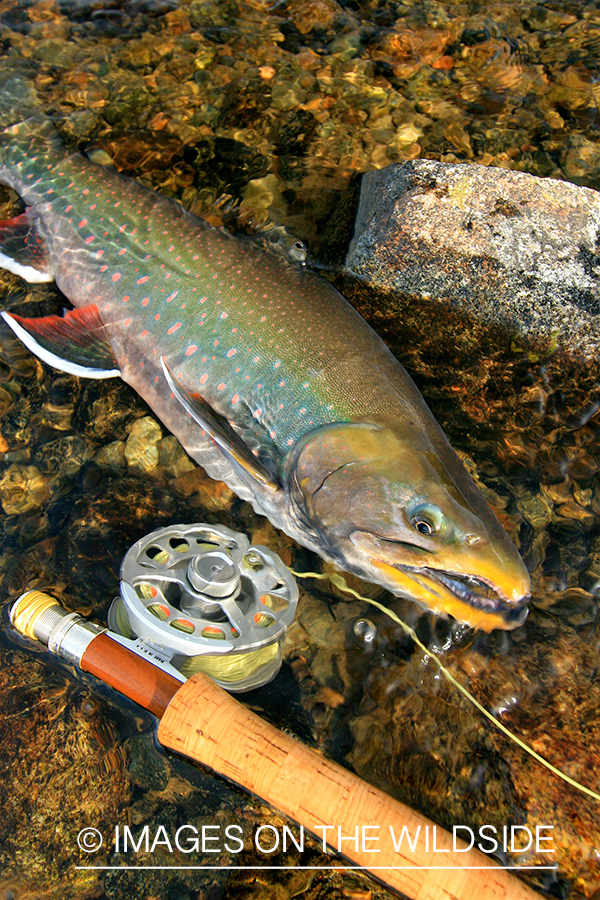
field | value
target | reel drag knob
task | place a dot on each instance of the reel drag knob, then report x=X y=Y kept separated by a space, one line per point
x=214 y=575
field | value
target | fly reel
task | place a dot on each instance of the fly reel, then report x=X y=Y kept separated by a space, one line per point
x=199 y=598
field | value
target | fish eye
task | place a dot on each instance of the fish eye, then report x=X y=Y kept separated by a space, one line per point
x=427 y=519
x=424 y=527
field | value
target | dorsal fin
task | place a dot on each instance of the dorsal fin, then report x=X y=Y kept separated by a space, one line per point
x=75 y=343
x=221 y=433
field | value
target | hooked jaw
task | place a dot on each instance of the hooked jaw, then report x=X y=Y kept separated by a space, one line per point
x=492 y=596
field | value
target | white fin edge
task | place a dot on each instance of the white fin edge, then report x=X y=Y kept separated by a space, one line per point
x=63 y=365
x=33 y=276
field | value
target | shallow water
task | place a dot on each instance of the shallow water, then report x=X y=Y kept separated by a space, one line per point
x=254 y=116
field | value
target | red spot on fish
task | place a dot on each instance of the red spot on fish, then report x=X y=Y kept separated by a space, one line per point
x=204 y=377
x=144 y=334
x=191 y=349
x=172 y=296
x=116 y=276
x=235 y=398
x=157 y=317
x=143 y=279
x=123 y=251
x=103 y=268
x=257 y=413
x=216 y=344
x=174 y=328
x=68 y=208
x=89 y=239
x=145 y=301
x=231 y=352
x=272 y=435
x=127 y=322
x=83 y=223
x=222 y=386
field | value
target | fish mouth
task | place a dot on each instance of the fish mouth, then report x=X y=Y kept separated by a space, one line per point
x=466 y=598
x=491 y=596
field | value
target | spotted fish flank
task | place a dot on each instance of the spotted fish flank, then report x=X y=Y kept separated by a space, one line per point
x=266 y=375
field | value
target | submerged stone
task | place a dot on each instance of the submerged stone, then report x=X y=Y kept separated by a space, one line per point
x=141 y=451
x=504 y=247
x=22 y=489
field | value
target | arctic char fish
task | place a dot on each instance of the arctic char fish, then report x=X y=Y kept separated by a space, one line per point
x=267 y=376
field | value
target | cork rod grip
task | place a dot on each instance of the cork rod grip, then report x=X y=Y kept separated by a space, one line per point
x=206 y=724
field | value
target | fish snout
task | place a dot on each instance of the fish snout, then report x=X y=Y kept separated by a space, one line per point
x=500 y=567
x=485 y=589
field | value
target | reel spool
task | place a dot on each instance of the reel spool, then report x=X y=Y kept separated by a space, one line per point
x=201 y=597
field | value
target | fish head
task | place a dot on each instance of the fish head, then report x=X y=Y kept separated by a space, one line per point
x=383 y=504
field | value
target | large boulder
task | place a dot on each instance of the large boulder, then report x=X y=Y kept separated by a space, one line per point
x=503 y=247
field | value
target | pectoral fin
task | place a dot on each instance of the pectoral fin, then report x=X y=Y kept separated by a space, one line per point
x=75 y=343
x=221 y=433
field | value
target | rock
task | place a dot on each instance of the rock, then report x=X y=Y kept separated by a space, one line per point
x=112 y=457
x=141 y=450
x=503 y=247
x=22 y=489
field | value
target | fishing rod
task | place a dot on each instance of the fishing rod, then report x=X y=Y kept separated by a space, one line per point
x=202 y=614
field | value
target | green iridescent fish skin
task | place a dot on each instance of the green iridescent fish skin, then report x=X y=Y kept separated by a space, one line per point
x=277 y=386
